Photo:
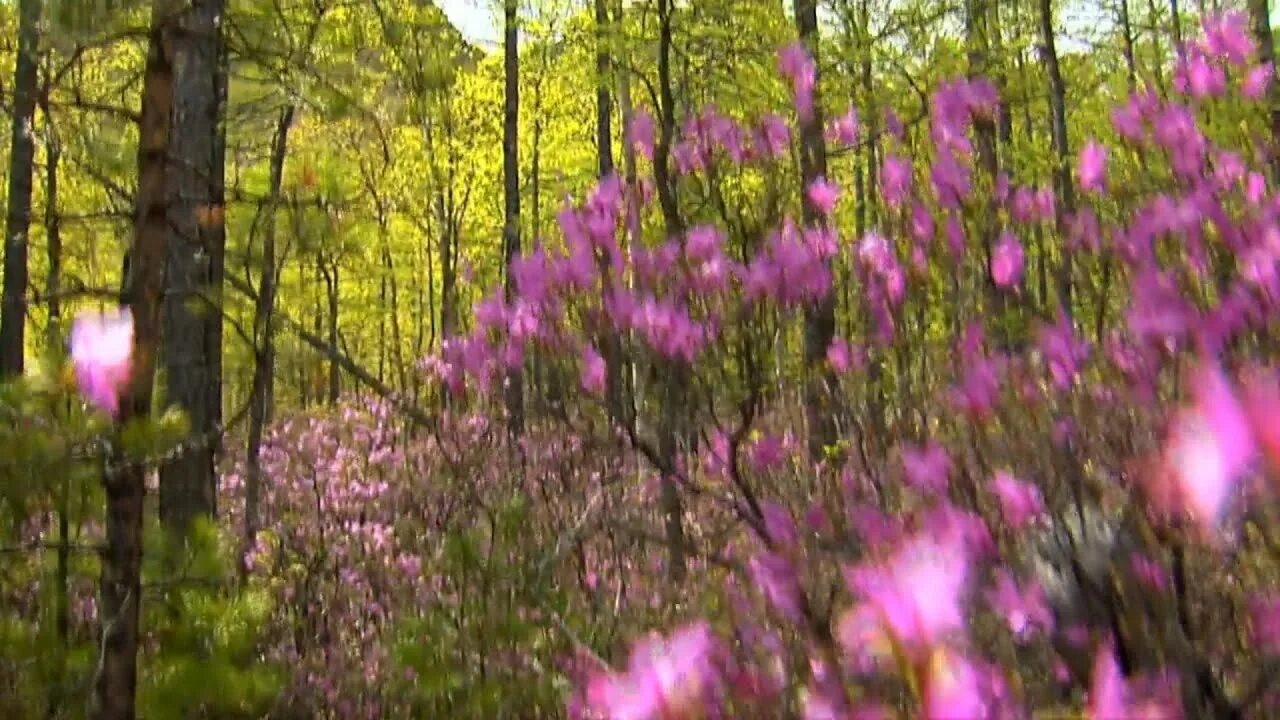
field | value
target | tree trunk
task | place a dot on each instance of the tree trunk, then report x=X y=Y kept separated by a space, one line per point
x=631 y=222
x=115 y=683
x=514 y=391
x=612 y=347
x=1260 y=17
x=52 y=226
x=330 y=275
x=263 y=330
x=1062 y=152
x=820 y=319
x=192 y=348
x=17 y=224
x=675 y=420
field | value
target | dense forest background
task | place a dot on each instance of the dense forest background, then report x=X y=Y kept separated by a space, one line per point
x=453 y=370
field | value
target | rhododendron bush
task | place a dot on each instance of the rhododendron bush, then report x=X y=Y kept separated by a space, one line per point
x=1050 y=490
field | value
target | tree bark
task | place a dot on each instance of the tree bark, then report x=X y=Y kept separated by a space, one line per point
x=192 y=348
x=612 y=346
x=17 y=224
x=1260 y=17
x=514 y=391
x=1062 y=151
x=116 y=679
x=674 y=423
x=819 y=319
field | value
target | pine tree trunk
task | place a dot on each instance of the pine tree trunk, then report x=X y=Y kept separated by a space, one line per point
x=192 y=349
x=116 y=679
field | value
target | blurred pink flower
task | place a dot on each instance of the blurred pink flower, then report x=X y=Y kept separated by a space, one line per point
x=918 y=592
x=823 y=195
x=1020 y=501
x=102 y=352
x=666 y=678
x=953 y=689
x=1108 y=697
x=593 y=371
x=1007 y=261
x=1092 y=167
x=1024 y=608
x=1210 y=445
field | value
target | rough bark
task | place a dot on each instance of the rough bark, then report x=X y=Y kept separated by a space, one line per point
x=116 y=678
x=514 y=391
x=17 y=224
x=192 y=348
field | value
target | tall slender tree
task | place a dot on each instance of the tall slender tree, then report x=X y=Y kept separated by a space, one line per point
x=820 y=319
x=17 y=223
x=511 y=192
x=124 y=479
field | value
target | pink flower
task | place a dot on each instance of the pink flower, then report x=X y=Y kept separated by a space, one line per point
x=642 y=132
x=666 y=678
x=1020 y=501
x=1092 y=167
x=593 y=371
x=895 y=179
x=838 y=356
x=844 y=129
x=795 y=64
x=1007 y=261
x=823 y=195
x=1023 y=608
x=1261 y=397
x=953 y=688
x=927 y=468
x=1108 y=696
x=917 y=593
x=1210 y=445
x=102 y=352
x=1257 y=81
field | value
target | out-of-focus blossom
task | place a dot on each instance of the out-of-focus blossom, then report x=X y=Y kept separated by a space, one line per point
x=102 y=353
x=953 y=688
x=667 y=678
x=1007 y=261
x=1092 y=167
x=1210 y=445
x=918 y=593
x=1020 y=502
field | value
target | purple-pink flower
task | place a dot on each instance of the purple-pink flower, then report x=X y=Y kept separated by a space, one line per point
x=823 y=195
x=1020 y=502
x=918 y=593
x=1007 y=261
x=1092 y=167
x=1210 y=445
x=102 y=352
x=666 y=678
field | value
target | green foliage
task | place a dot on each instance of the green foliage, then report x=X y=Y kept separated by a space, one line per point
x=208 y=630
x=456 y=659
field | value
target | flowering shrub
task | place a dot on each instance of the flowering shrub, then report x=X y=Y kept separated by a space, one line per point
x=1057 y=526
x=1033 y=505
